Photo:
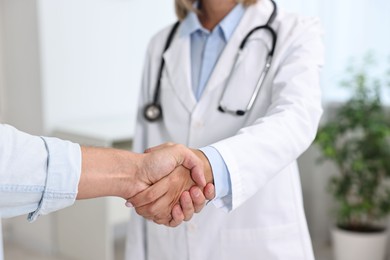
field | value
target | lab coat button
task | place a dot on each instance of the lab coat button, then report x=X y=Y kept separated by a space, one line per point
x=191 y=227
x=199 y=124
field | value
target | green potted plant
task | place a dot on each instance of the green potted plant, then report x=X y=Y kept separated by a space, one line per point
x=357 y=140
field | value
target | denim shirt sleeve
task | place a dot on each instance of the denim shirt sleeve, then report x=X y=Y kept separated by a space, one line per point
x=221 y=175
x=38 y=175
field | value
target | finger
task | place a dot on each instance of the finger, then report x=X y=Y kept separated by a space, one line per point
x=198 y=198
x=163 y=220
x=150 y=195
x=209 y=191
x=161 y=206
x=158 y=218
x=177 y=216
x=187 y=158
x=186 y=205
x=174 y=185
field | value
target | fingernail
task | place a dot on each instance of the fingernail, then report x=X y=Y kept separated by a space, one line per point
x=129 y=205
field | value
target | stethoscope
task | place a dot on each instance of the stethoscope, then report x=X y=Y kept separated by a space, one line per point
x=153 y=110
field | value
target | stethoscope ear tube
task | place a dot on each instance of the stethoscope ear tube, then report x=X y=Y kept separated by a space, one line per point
x=260 y=81
x=236 y=112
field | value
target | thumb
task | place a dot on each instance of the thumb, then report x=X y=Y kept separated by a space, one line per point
x=191 y=161
x=183 y=156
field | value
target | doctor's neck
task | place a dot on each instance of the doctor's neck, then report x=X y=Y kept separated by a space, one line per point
x=213 y=11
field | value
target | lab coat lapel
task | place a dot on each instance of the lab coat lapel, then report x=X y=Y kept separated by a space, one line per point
x=177 y=60
x=250 y=20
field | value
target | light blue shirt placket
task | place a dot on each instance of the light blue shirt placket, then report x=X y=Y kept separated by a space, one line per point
x=206 y=48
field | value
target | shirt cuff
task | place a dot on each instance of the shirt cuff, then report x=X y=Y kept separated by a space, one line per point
x=221 y=175
x=63 y=176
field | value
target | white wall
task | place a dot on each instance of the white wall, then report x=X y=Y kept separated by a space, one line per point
x=22 y=98
x=351 y=29
x=92 y=55
x=22 y=66
x=78 y=58
x=1 y=98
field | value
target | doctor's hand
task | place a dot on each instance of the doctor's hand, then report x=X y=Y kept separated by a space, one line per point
x=176 y=197
x=191 y=202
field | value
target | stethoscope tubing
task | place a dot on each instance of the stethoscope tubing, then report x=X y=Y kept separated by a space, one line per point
x=162 y=65
x=153 y=110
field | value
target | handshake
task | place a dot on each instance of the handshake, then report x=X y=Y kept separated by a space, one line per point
x=166 y=184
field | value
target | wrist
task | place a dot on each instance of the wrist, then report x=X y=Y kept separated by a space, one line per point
x=128 y=180
x=107 y=172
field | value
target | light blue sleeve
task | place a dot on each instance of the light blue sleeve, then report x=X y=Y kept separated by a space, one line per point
x=38 y=175
x=63 y=176
x=222 y=182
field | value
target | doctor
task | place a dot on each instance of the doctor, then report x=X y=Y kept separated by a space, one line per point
x=240 y=80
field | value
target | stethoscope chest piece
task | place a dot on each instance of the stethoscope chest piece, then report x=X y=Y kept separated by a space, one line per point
x=153 y=112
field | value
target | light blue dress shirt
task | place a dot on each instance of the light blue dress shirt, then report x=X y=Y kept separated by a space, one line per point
x=38 y=175
x=206 y=48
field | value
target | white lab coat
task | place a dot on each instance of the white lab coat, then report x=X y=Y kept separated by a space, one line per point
x=260 y=149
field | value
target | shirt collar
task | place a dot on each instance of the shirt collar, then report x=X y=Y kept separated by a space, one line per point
x=228 y=24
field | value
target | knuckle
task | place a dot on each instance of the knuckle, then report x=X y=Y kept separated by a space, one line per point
x=150 y=196
x=174 y=223
x=135 y=201
x=159 y=221
x=199 y=202
x=150 y=210
x=188 y=218
x=187 y=206
x=149 y=218
x=140 y=212
x=162 y=220
x=188 y=215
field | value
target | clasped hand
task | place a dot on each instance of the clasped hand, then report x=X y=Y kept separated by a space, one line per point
x=175 y=186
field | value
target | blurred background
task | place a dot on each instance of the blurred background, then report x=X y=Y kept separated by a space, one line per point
x=72 y=69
